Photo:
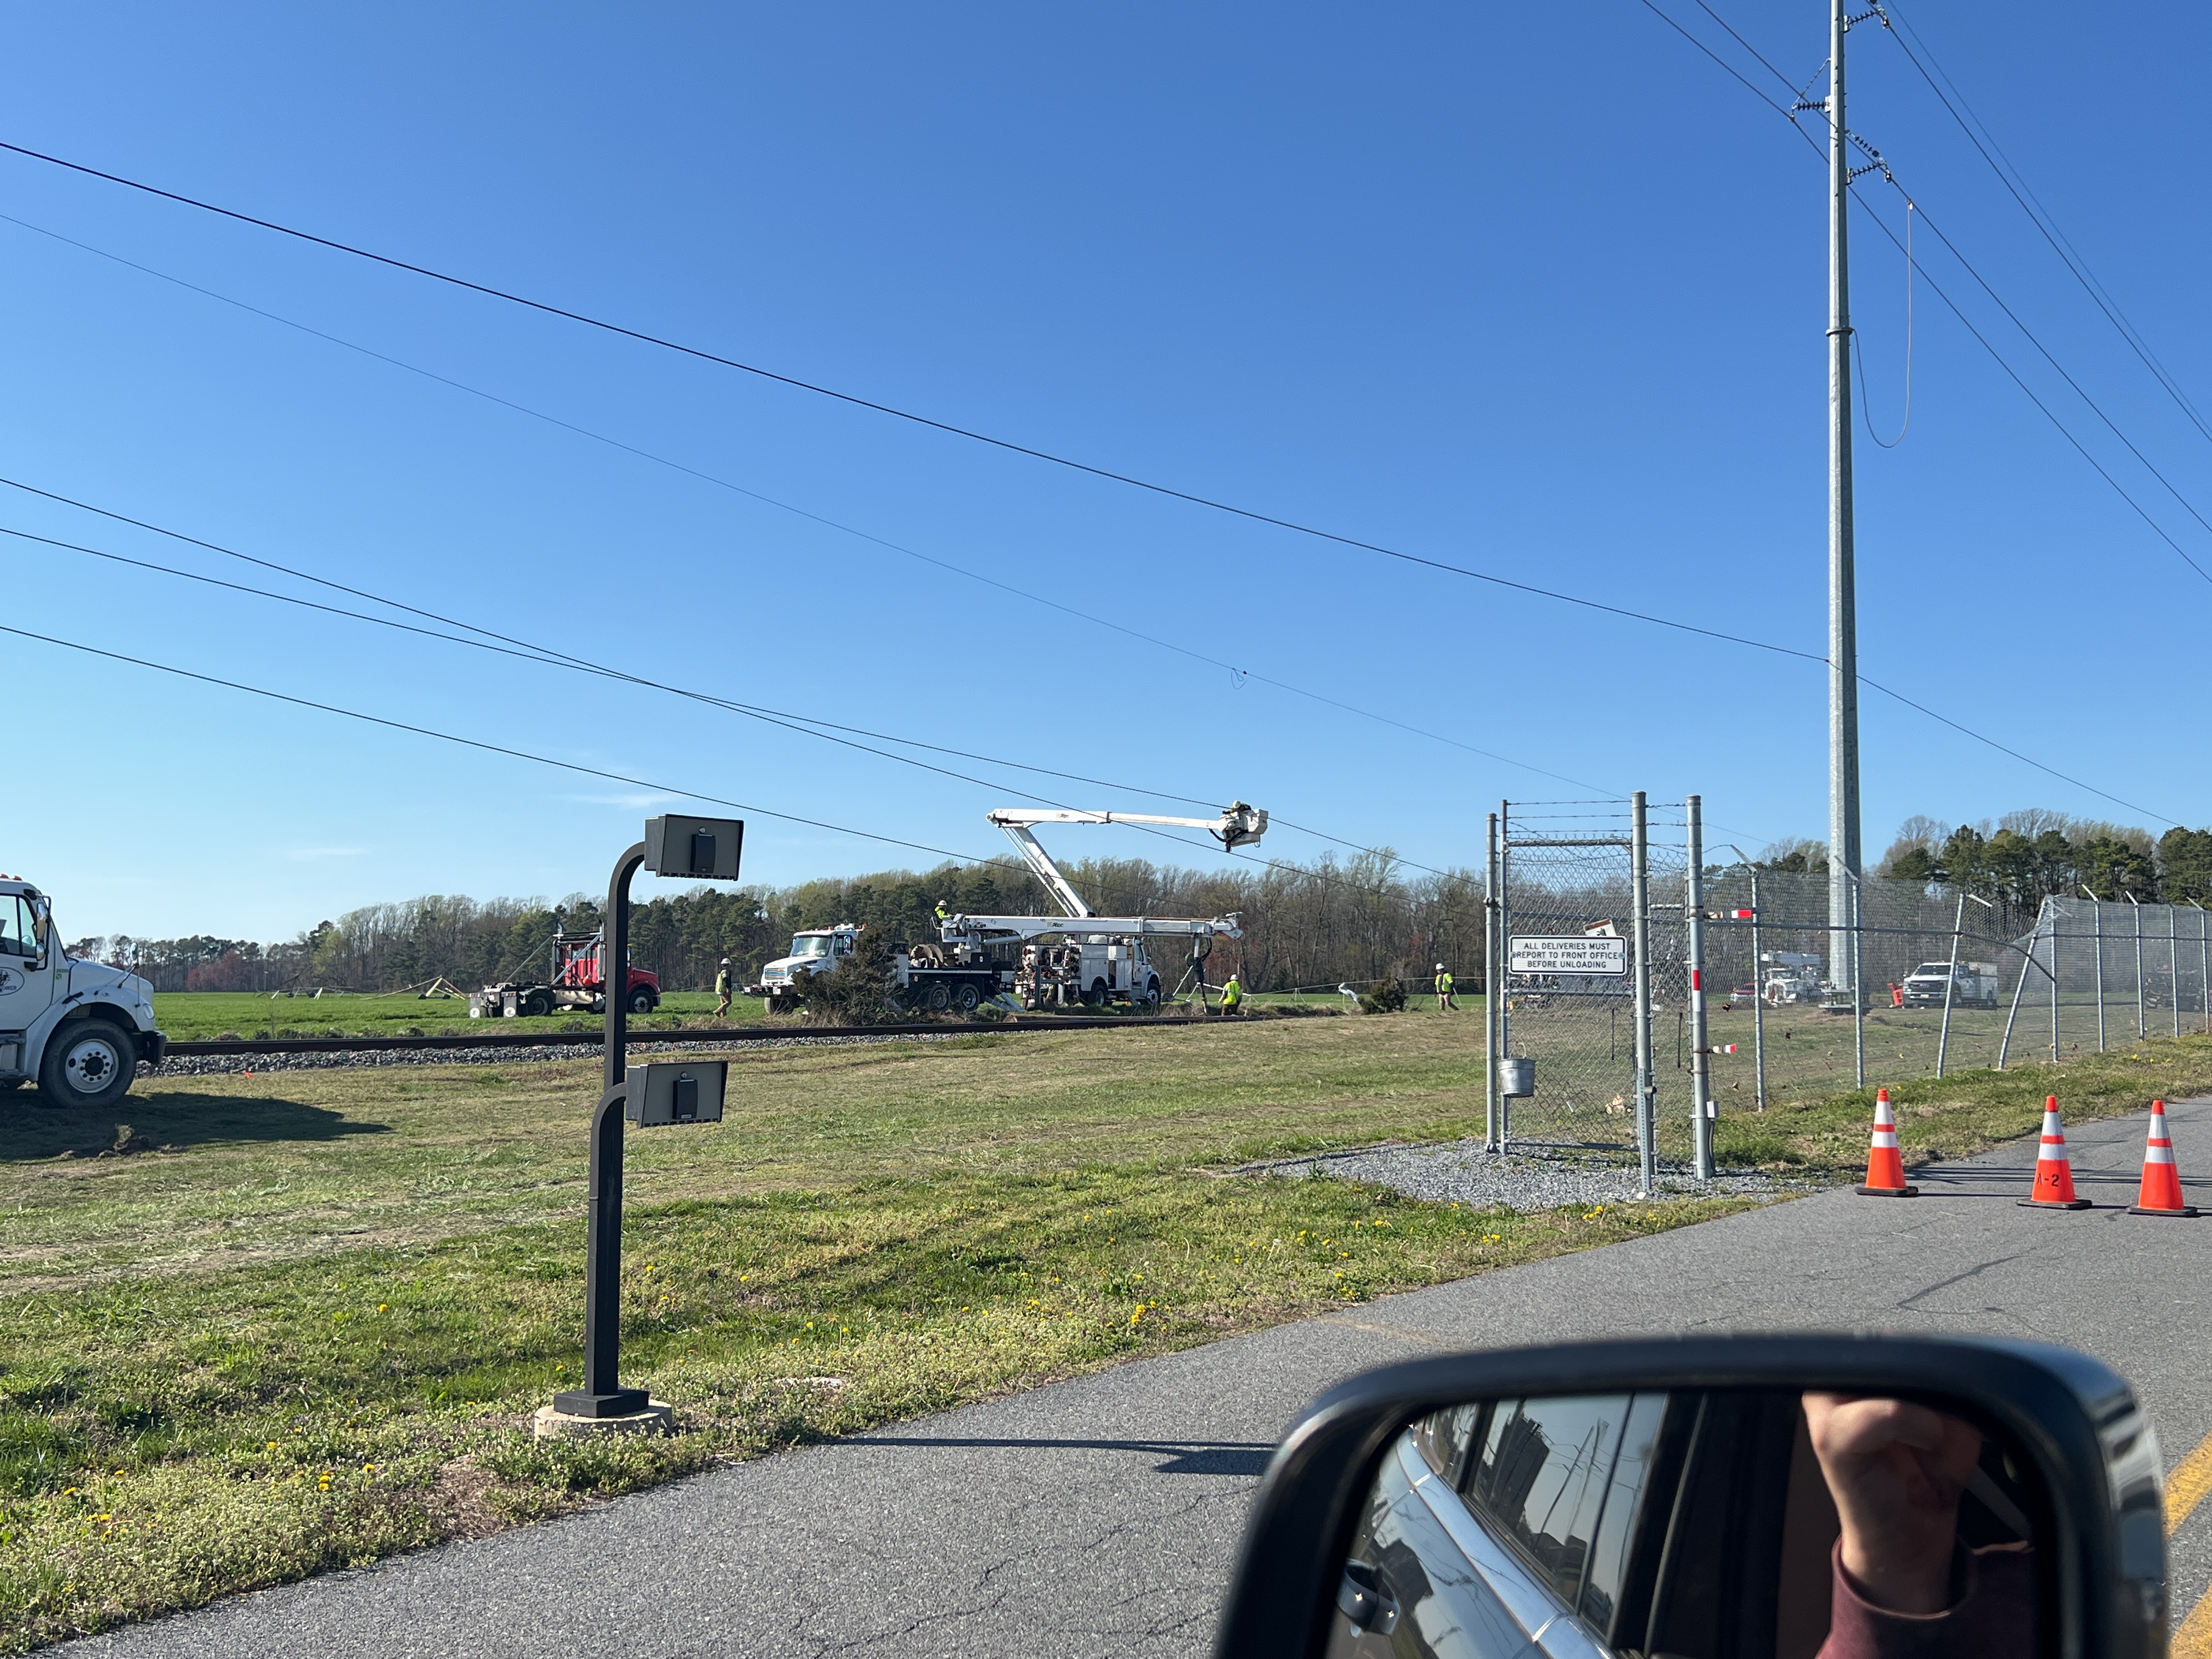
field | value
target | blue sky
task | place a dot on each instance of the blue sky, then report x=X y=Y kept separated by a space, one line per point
x=1537 y=290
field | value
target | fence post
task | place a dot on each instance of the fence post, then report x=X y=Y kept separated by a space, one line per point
x=2203 y=966
x=2054 y=988
x=2097 y=918
x=1493 y=957
x=2173 y=963
x=1693 y=901
x=1858 y=984
x=2142 y=1025
x=1950 y=986
x=1758 y=1001
x=1505 y=978
x=1647 y=1116
x=2004 y=1045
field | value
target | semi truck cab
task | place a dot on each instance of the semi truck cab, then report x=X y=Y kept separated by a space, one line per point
x=78 y=1028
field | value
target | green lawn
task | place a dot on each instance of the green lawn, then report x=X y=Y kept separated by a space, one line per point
x=310 y=1328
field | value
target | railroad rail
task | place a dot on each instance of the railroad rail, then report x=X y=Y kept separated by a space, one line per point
x=695 y=1038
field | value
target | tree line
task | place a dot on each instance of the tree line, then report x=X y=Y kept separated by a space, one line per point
x=1352 y=921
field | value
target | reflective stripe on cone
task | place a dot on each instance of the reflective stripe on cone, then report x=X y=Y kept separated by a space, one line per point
x=2160 y=1193
x=2054 y=1173
x=1885 y=1164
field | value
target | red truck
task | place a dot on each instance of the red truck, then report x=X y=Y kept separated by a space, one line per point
x=575 y=981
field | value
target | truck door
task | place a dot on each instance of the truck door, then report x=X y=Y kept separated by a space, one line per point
x=27 y=976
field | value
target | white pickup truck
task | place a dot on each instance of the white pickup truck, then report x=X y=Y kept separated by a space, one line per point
x=1975 y=987
x=78 y=1028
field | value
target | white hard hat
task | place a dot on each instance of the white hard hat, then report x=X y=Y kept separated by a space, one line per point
x=726 y=961
x=1440 y=967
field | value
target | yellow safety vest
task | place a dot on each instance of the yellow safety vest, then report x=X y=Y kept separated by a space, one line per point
x=1443 y=985
x=1231 y=993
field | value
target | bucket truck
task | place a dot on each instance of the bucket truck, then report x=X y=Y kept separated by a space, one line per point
x=1080 y=957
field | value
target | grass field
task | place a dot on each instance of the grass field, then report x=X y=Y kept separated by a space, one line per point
x=309 y=1331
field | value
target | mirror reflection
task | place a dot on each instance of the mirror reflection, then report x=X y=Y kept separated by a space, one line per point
x=1702 y=1524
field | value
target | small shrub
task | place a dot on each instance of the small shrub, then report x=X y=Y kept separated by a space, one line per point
x=861 y=990
x=1389 y=997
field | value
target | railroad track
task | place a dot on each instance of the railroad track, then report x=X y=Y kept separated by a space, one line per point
x=730 y=1034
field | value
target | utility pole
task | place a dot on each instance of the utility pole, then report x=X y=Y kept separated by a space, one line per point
x=1844 y=857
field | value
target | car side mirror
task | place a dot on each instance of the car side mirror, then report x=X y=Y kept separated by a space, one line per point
x=1757 y=1498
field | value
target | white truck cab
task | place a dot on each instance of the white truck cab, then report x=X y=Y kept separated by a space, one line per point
x=817 y=949
x=78 y=1028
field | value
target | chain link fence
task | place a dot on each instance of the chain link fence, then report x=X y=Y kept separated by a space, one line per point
x=1912 y=981
x=1564 y=888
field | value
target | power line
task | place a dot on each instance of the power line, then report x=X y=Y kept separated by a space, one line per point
x=1240 y=673
x=525 y=652
x=495 y=749
x=951 y=428
x=1134 y=483
x=1913 y=204
x=2041 y=217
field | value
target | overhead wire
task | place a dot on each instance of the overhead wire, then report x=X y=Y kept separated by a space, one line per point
x=527 y=652
x=1209 y=503
x=1239 y=673
x=2015 y=184
x=1008 y=445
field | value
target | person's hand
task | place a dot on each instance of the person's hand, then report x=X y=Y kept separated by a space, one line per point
x=1896 y=1472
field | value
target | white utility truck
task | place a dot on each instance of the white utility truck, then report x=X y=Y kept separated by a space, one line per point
x=1083 y=957
x=928 y=976
x=1975 y=987
x=78 y=1028
x=1080 y=957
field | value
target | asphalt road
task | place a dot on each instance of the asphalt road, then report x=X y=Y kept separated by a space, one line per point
x=1099 y=1517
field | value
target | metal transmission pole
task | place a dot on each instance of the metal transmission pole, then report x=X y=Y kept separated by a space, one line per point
x=1844 y=857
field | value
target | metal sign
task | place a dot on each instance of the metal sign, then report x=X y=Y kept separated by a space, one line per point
x=1567 y=953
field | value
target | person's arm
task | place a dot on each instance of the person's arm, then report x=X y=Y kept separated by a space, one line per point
x=1896 y=1471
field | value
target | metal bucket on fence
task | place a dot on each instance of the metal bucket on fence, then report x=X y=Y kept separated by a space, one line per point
x=1516 y=1078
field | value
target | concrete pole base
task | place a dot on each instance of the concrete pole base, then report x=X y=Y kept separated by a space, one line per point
x=658 y=1417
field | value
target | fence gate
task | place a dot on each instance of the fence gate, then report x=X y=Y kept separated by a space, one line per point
x=1590 y=976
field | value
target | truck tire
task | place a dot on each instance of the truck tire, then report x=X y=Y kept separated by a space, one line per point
x=537 y=1004
x=1152 y=992
x=89 y=1062
x=966 y=997
x=938 y=998
x=1095 y=996
x=643 y=1002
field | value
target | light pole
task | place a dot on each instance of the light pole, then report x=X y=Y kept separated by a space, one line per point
x=700 y=849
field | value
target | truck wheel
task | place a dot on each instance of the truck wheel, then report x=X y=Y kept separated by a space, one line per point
x=88 y=1062
x=966 y=998
x=643 y=1002
x=1152 y=992
x=1095 y=996
x=938 y=999
x=537 y=1004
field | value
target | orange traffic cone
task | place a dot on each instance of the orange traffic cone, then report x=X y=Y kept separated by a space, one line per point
x=2054 y=1174
x=1885 y=1164
x=2161 y=1178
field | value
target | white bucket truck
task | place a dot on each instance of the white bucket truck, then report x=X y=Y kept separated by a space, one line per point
x=78 y=1028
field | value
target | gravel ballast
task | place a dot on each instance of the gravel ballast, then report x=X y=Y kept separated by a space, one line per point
x=1467 y=1172
x=344 y=1060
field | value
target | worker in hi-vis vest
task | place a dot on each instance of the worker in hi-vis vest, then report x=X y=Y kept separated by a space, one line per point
x=722 y=988
x=1233 y=996
x=1445 y=1002
x=944 y=910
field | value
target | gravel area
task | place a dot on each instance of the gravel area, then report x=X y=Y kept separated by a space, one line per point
x=223 y=1065
x=1530 y=1178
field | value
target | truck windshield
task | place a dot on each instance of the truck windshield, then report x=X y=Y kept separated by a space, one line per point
x=1938 y=969
x=811 y=945
x=18 y=932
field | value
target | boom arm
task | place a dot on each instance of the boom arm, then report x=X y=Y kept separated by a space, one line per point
x=1238 y=826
